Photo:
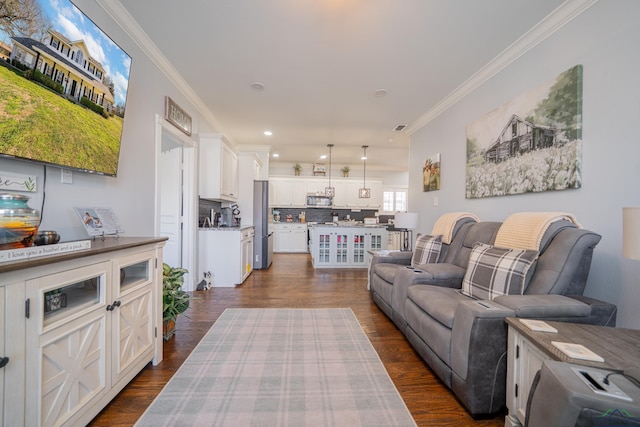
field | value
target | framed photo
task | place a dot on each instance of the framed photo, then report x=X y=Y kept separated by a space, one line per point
x=99 y=221
x=431 y=173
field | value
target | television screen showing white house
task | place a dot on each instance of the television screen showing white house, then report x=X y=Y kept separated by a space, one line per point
x=64 y=87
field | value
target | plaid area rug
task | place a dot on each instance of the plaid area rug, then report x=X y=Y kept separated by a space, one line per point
x=281 y=367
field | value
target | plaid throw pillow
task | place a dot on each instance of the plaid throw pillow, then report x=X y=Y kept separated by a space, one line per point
x=493 y=272
x=427 y=249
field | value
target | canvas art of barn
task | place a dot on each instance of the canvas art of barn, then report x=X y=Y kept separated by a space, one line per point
x=519 y=136
x=530 y=144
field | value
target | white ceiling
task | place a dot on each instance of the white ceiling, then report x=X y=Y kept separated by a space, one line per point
x=321 y=62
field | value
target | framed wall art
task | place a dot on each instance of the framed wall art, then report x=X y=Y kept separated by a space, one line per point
x=531 y=144
x=431 y=173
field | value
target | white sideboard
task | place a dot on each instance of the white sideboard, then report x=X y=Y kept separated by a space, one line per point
x=77 y=328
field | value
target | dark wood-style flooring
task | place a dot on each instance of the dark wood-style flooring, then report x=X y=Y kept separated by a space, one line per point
x=292 y=282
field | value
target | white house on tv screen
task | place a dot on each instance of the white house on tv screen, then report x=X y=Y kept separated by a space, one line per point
x=67 y=63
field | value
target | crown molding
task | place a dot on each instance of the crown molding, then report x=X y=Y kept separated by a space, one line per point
x=123 y=18
x=557 y=19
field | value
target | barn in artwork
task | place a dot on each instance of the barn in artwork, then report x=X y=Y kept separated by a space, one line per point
x=520 y=136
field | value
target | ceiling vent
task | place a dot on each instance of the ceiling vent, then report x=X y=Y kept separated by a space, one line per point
x=399 y=128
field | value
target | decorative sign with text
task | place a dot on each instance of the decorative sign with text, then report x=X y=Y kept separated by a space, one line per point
x=38 y=251
x=177 y=116
x=17 y=182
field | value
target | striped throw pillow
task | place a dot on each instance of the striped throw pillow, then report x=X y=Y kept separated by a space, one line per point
x=493 y=272
x=427 y=249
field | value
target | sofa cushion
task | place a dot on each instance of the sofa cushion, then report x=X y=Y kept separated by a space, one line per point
x=438 y=274
x=438 y=302
x=493 y=272
x=387 y=271
x=427 y=249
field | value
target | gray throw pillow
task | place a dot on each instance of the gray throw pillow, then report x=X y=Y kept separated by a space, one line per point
x=427 y=249
x=492 y=272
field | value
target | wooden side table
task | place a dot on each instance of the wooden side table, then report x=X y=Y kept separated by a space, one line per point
x=528 y=349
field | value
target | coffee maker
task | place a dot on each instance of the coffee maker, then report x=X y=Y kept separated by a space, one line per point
x=226 y=217
x=229 y=216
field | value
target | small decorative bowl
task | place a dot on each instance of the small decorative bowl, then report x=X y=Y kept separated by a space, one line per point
x=47 y=238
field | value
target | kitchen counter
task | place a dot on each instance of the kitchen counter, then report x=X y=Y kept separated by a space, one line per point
x=241 y=228
x=347 y=225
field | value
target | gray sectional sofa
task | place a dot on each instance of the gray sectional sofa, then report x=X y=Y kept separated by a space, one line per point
x=464 y=340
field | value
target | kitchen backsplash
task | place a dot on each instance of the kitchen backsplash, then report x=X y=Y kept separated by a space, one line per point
x=204 y=210
x=326 y=215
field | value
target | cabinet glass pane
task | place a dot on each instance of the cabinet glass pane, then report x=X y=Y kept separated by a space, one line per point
x=60 y=302
x=342 y=252
x=358 y=248
x=134 y=274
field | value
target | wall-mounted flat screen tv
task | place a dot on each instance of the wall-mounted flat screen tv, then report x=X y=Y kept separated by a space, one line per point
x=63 y=87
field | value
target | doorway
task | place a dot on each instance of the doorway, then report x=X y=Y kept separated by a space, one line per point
x=175 y=198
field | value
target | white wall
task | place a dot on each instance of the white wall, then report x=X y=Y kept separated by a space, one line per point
x=605 y=40
x=132 y=193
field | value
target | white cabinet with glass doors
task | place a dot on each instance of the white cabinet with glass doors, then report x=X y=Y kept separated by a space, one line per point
x=346 y=247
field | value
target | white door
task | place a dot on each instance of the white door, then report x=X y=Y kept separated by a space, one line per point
x=171 y=199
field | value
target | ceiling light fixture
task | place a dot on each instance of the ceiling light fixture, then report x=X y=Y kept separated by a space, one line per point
x=324 y=156
x=380 y=93
x=330 y=191
x=268 y=133
x=275 y=155
x=257 y=86
x=364 y=192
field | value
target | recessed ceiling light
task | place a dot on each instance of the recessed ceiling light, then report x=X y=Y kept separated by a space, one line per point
x=268 y=133
x=257 y=86
x=380 y=93
x=275 y=155
x=324 y=156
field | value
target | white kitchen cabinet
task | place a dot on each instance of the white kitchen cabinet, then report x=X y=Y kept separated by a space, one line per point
x=318 y=185
x=225 y=253
x=218 y=166
x=292 y=191
x=345 y=247
x=247 y=252
x=289 y=192
x=353 y=200
x=290 y=237
x=81 y=329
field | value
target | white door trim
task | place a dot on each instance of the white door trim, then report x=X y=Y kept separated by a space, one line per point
x=190 y=200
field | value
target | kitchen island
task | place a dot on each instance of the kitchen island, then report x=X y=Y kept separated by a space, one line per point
x=345 y=245
x=225 y=255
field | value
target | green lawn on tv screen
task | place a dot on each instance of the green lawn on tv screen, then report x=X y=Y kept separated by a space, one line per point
x=36 y=123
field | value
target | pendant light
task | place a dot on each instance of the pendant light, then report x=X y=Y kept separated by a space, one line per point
x=364 y=192
x=330 y=191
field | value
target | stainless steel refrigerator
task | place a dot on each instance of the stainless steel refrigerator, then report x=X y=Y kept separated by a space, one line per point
x=263 y=239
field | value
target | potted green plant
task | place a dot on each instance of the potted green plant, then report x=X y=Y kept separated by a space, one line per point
x=345 y=171
x=174 y=299
x=297 y=168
